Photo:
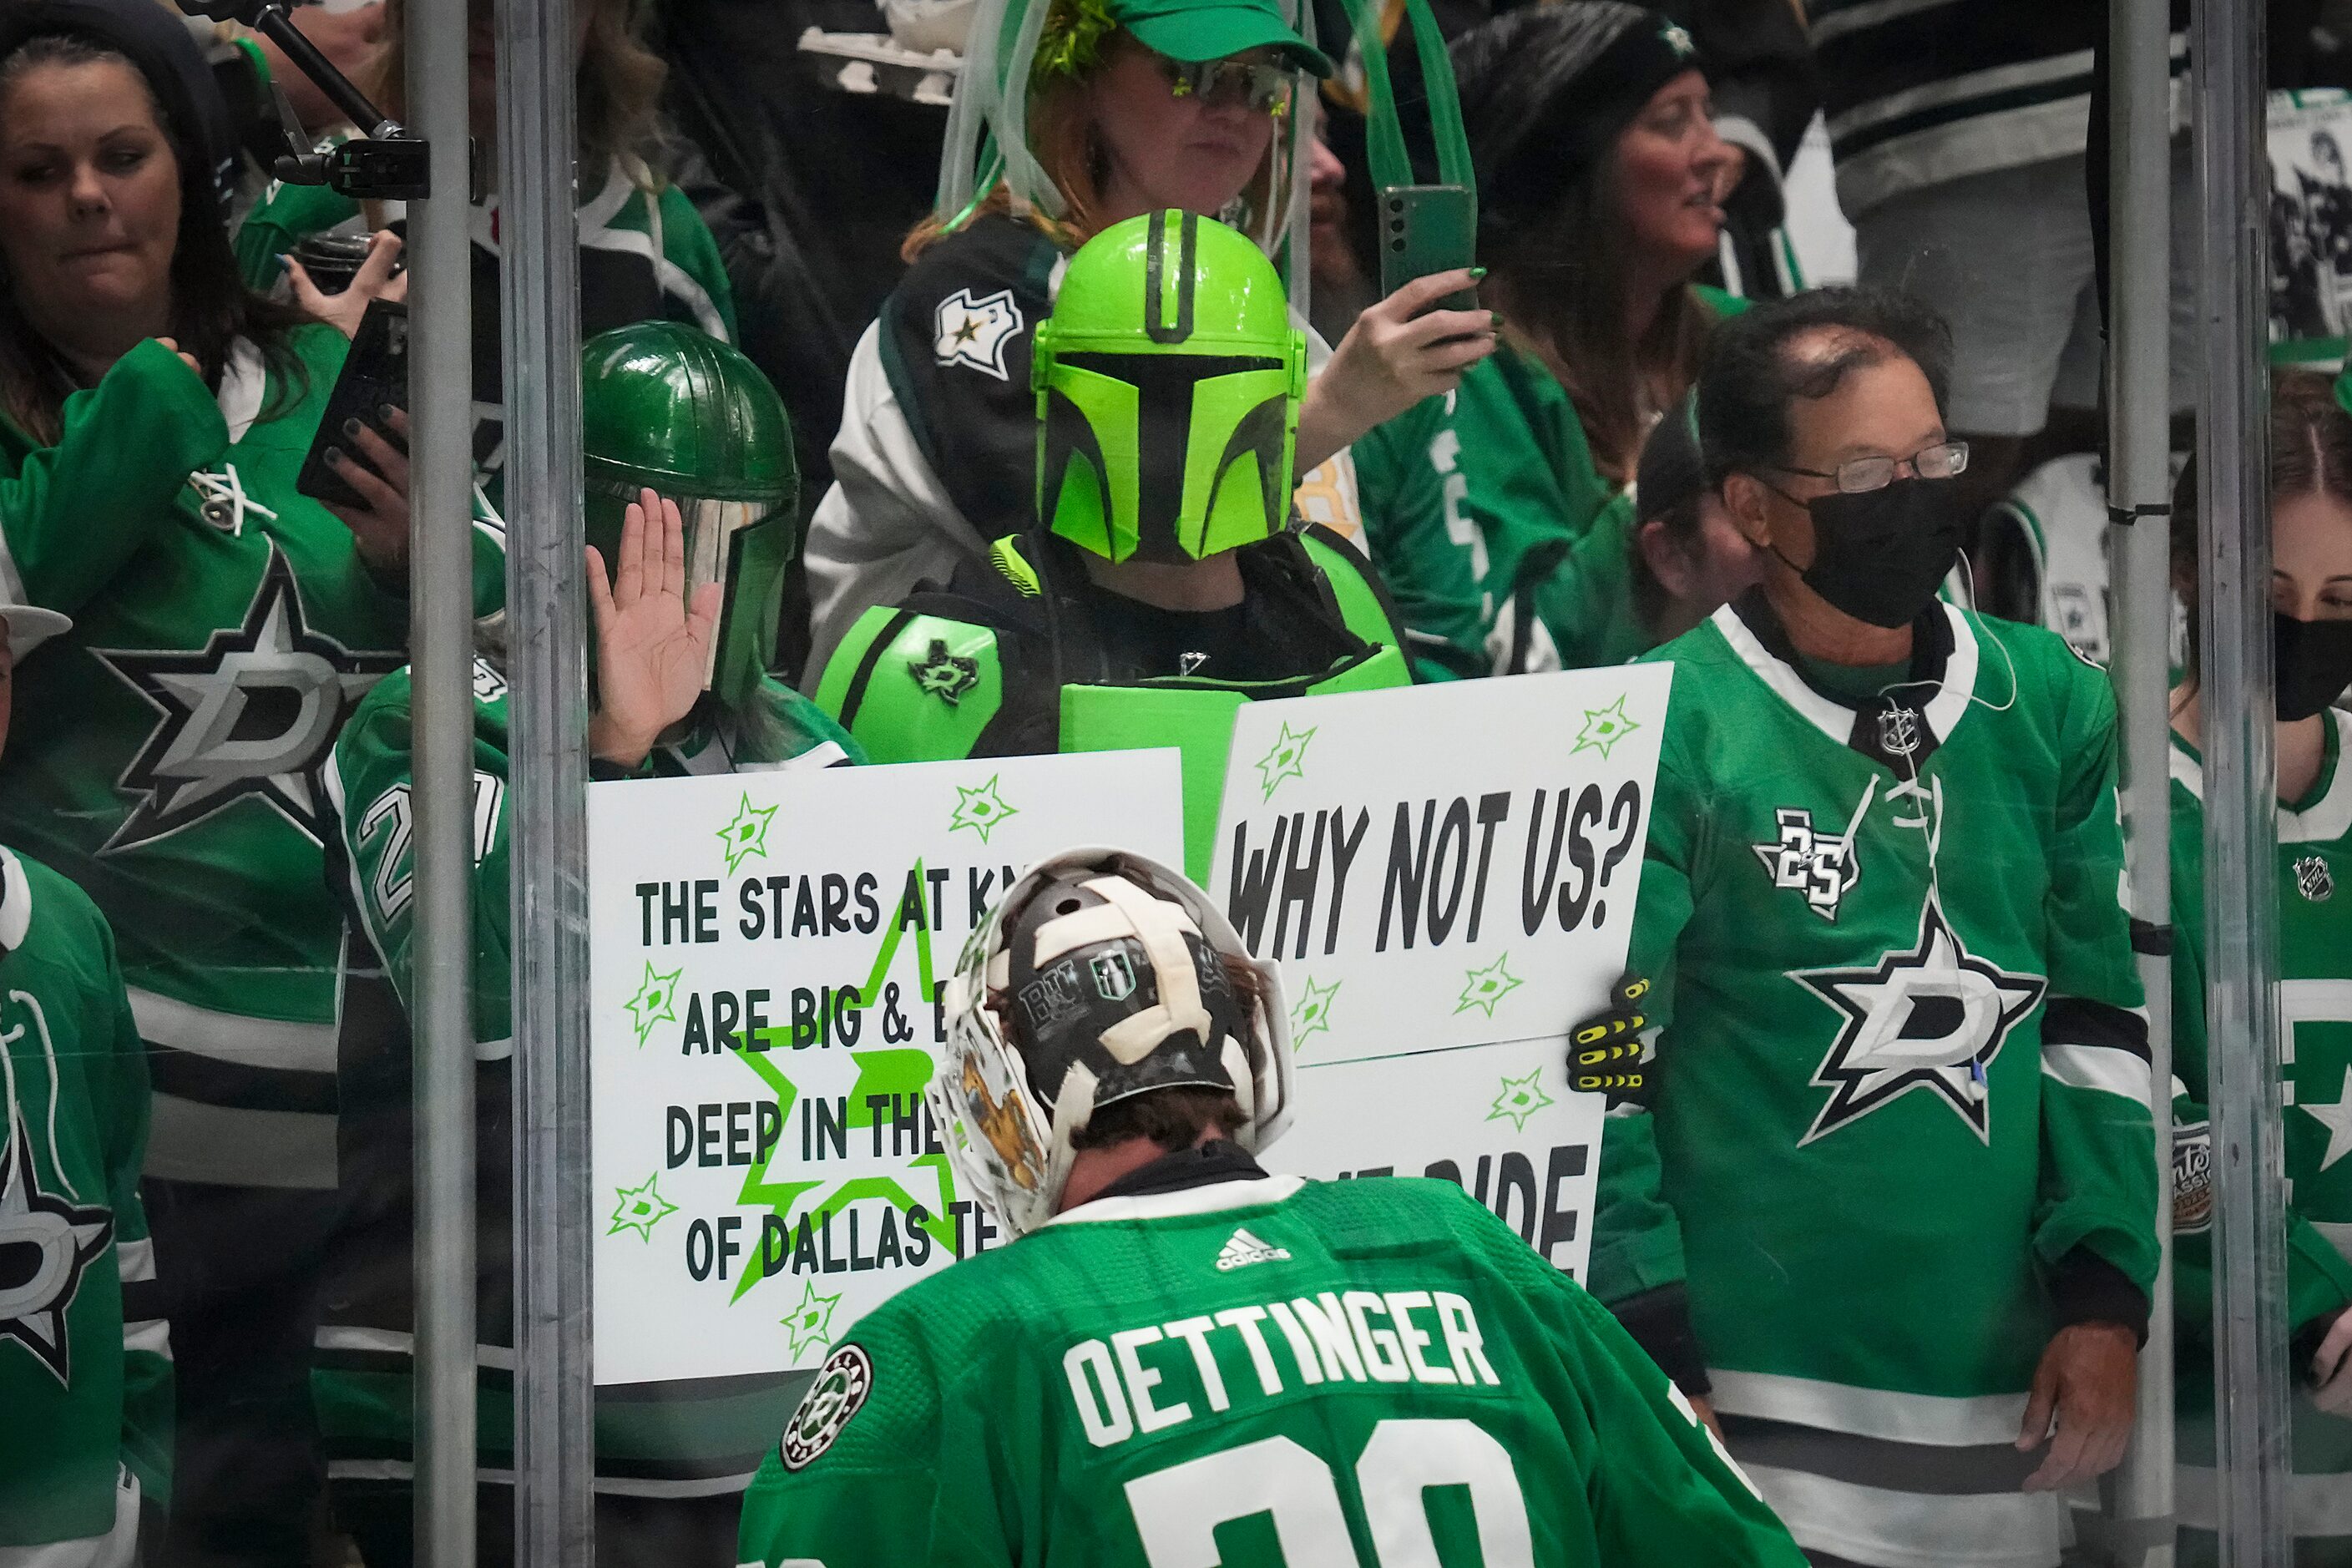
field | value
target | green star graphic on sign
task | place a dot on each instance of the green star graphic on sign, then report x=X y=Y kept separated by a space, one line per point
x=981 y=809
x=640 y=1209
x=1311 y=1013
x=1487 y=986
x=1288 y=759
x=1521 y=1098
x=1603 y=728
x=811 y=1323
x=654 y=1003
x=746 y=835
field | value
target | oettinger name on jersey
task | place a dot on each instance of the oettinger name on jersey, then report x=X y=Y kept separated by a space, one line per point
x=1931 y=1017
x=254 y=714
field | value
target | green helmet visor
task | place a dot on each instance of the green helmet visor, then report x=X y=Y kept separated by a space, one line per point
x=1166 y=457
x=744 y=547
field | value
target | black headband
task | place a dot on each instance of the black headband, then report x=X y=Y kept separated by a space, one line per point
x=1522 y=168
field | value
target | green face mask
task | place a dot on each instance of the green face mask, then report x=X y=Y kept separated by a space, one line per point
x=1169 y=380
x=665 y=406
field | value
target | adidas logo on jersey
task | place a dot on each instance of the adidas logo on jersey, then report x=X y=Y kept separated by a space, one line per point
x=1242 y=1249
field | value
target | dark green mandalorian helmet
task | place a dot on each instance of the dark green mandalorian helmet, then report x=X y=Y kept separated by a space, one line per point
x=1168 y=379
x=666 y=406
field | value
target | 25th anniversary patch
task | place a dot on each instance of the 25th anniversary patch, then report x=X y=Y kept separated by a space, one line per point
x=840 y=1386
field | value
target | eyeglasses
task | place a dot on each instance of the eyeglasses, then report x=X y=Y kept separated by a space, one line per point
x=1263 y=89
x=1858 y=476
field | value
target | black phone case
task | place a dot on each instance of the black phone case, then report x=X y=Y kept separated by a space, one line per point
x=375 y=374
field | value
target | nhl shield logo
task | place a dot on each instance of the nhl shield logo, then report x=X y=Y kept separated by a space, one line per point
x=1898 y=731
x=1114 y=976
x=2313 y=880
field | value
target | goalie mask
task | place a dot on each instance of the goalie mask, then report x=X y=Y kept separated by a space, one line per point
x=665 y=406
x=1100 y=976
x=1169 y=380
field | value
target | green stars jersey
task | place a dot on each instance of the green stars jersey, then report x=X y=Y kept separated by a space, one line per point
x=1901 y=1129
x=1493 y=529
x=1262 y=1372
x=651 y=1441
x=84 y=1361
x=2315 y=936
x=166 y=753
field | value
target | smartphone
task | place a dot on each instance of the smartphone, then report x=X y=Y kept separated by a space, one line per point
x=374 y=376
x=1426 y=230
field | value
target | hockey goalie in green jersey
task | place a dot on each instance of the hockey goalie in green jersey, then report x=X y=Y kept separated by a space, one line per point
x=1889 y=1200
x=1183 y=1360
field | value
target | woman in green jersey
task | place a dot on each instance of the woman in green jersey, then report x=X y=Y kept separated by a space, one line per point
x=1073 y=116
x=2311 y=600
x=168 y=749
x=1599 y=173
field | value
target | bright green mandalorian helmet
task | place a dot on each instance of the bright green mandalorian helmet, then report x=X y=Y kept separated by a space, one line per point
x=664 y=406
x=1168 y=379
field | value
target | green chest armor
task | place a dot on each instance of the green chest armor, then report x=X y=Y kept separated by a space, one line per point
x=1021 y=662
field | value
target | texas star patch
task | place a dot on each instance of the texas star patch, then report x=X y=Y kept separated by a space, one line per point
x=948 y=677
x=50 y=1243
x=256 y=713
x=1820 y=866
x=1933 y=1019
x=841 y=1387
x=973 y=332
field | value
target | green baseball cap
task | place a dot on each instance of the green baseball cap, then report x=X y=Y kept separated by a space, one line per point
x=1192 y=31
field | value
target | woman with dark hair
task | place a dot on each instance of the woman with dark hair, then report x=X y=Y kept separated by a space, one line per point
x=2311 y=600
x=166 y=753
x=644 y=253
x=1599 y=174
x=1886 y=1198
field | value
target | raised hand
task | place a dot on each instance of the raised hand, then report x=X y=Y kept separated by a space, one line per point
x=653 y=645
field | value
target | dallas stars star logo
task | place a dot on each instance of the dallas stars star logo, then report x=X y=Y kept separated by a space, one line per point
x=654 y=1003
x=50 y=1244
x=810 y=1324
x=981 y=809
x=1485 y=987
x=973 y=332
x=1603 y=728
x=1678 y=40
x=1286 y=758
x=255 y=713
x=747 y=833
x=1932 y=1018
x=947 y=676
x=2336 y=1118
x=640 y=1208
x=1311 y=1013
x=1521 y=1098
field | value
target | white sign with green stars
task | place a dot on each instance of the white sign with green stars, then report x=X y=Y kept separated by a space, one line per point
x=1447 y=875
x=765 y=954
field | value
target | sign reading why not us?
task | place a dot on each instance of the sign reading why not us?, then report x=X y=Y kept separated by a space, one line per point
x=766 y=951
x=1447 y=875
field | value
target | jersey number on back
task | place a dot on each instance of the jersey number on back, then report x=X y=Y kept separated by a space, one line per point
x=1178 y=1509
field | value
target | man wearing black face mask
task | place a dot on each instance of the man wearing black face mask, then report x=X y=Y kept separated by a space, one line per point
x=1884 y=1191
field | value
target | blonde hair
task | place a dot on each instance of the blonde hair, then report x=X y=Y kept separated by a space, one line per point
x=619 y=82
x=1062 y=139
